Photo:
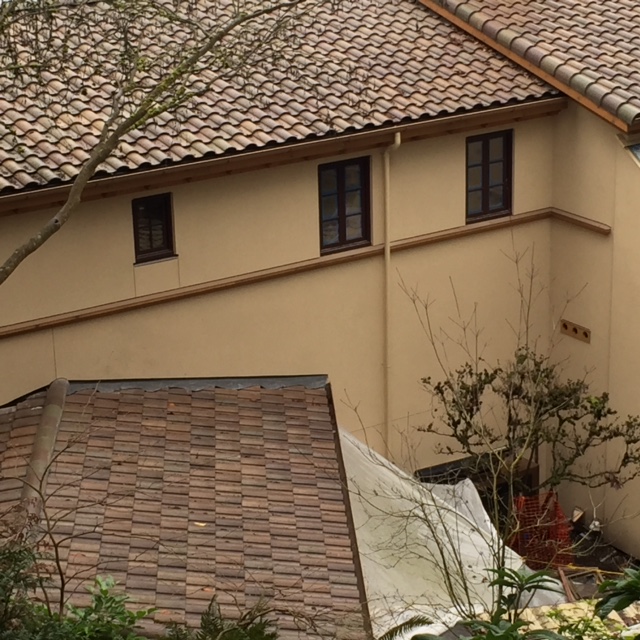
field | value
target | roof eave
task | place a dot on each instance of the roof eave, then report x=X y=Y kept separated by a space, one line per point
x=352 y=142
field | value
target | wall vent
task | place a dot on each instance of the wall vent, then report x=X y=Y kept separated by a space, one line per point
x=575 y=331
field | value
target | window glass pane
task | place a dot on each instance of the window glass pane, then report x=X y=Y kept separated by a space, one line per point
x=496 y=200
x=329 y=207
x=474 y=152
x=474 y=177
x=328 y=181
x=496 y=176
x=157 y=234
x=144 y=233
x=496 y=148
x=330 y=233
x=352 y=176
x=474 y=202
x=354 y=227
x=152 y=226
x=344 y=203
x=353 y=202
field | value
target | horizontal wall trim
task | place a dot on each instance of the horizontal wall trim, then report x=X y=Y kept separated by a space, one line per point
x=313 y=264
x=164 y=177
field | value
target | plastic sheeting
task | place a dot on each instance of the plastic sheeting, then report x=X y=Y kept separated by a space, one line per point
x=424 y=549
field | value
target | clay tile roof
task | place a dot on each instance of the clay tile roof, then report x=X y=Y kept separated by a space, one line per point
x=18 y=425
x=590 y=47
x=185 y=489
x=361 y=65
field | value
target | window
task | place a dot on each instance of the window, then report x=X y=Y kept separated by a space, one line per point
x=489 y=166
x=344 y=204
x=153 y=227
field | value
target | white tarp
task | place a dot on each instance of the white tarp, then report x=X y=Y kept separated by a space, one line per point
x=424 y=549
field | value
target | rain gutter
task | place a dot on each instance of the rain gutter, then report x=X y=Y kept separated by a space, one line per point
x=137 y=181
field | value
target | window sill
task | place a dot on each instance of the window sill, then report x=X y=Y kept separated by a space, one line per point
x=487 y=216
x=345 y=247
x=155 y=259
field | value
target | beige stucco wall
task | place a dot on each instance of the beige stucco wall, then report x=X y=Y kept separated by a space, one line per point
x=584 y=164
x=623 y=507
x=481 y=273
x=245 y=222
x=596 y=283
x=328 y=321
x=427 y=189
x=324 y=322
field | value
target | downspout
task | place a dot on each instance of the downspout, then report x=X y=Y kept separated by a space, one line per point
x=34 y=487
x=387 y=289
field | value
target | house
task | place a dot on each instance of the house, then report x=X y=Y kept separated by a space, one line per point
x=277 y=230
x=185 y=489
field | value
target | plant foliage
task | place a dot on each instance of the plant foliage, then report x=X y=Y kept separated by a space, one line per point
x=107 y=617
x=536 y=408
x=253 y=624
x=619 y=594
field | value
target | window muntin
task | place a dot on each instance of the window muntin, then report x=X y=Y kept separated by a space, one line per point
x=344 y=192
x=153 y=227
x=489 y=173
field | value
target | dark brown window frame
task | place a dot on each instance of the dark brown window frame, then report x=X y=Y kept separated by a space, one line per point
x=486 y=212
x=164 y=204
x=343 y=244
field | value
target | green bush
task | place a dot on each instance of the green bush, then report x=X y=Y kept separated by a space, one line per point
x=619 y=594
x=253 y=624
x=106 y=617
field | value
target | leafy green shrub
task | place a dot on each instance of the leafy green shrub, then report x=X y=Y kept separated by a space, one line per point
x=619 y=594
x=253 y=624
x=514 y=591
x=17 y=580
x=106 y=618
x=507 y=630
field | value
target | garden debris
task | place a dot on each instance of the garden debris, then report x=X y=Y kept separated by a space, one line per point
x=546 y=617
x=426 y=550
x=566 y=585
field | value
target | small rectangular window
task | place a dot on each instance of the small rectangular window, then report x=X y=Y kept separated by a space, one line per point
x=153 y=227
x=489 y=172
x=345 y=217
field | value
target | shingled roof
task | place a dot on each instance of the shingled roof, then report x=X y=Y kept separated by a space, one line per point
x=361 y=65
x=185 y=489
x=589 y=49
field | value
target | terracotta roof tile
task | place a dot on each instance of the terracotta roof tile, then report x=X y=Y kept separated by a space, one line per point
x=354 y=69
x=183 y=493
x=597 y=36
x=17 y=430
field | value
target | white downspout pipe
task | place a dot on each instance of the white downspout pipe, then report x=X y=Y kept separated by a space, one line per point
x=397 y=140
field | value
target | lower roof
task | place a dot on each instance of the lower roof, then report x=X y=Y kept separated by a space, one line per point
x=182 y=490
